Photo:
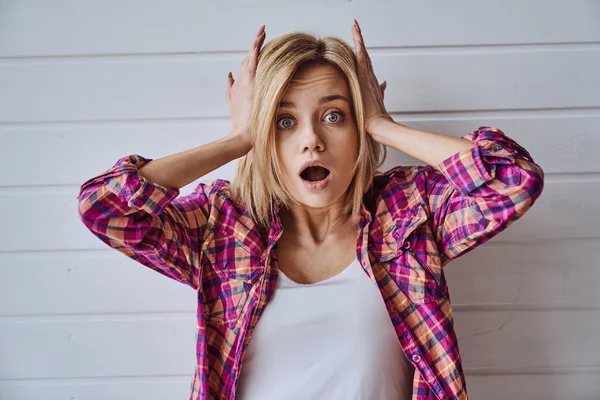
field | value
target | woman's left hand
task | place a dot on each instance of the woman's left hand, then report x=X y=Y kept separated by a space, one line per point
x=375 y=111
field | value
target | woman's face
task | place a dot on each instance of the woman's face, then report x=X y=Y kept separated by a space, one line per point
x=315 y=123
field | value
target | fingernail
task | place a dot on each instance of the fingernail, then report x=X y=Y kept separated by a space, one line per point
x=230 y=75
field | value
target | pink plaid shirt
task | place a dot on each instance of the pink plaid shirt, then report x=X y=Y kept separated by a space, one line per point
x=414 y=220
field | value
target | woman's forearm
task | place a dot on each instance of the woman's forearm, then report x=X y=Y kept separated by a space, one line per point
x=429 y=147
x=178 y=170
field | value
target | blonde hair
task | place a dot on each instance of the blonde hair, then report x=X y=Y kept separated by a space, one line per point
x=258 y=182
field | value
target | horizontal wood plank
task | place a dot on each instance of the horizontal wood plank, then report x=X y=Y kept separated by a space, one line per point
x=191 y=26
x=191 y=86
x=528 y=339
x=535 y=387
x=104 y=347
x=154 y=388
x=93 y=282
x=492 y=387
x=123 y=346
x=561 y=274
x=537 y=275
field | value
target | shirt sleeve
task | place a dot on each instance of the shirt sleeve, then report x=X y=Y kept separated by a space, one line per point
x=145 y=221
x=477 y=193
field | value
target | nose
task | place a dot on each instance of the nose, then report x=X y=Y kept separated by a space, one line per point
x=312 y=139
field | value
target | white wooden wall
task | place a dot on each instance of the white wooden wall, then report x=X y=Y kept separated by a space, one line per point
x=83 y=83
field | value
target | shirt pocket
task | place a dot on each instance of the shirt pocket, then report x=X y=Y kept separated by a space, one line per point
x=409 y=254
x=228 y=278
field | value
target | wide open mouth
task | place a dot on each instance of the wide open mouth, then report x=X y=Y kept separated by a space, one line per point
x=314 y=173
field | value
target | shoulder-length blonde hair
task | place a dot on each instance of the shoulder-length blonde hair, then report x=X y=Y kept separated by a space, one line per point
x=258 y=183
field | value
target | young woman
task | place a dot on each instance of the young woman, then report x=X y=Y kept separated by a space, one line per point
x=316 y=277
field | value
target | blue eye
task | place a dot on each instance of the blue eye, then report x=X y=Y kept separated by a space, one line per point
x=285 y=123
x=334 y=117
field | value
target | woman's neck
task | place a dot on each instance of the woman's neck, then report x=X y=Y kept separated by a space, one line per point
x=312 y=227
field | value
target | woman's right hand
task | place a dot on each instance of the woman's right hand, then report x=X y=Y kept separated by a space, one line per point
x=239 y=93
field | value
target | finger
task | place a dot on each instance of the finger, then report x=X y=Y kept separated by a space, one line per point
x=261 y=30
x=356 y=38
x=252 y=55
x=252 y=59
x=261 y=40
x=230 y=82
x=259 y=35
x=357 y=34
x=382 y=88
x=258 y=44
x=246 y=59
x=361 y=51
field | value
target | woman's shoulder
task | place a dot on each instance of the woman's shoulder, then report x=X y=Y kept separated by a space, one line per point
x=221 y=201
x=214 y=187
x=229 y=219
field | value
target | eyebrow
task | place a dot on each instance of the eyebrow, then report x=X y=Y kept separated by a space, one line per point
x=322 y=100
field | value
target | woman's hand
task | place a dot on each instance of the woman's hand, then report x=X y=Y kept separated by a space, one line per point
x=239 y=93
x=375 y=111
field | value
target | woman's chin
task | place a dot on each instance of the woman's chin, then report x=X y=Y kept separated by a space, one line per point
x=318 y=199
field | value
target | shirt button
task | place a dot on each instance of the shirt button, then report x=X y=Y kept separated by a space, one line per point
x=416 y=358
x=406 y=245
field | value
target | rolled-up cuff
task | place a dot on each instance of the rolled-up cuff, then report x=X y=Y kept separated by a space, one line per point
x=124 y=180
x=470 y=169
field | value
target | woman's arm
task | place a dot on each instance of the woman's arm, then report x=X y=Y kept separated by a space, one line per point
x=477 y=192
x=429 y=147
x=135 y=207
x=178 y=170
x=146 y=221
x=476 y=186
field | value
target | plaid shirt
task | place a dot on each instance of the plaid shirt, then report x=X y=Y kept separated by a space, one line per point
x=414 y=220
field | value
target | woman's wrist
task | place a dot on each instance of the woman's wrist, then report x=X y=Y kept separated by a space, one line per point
x=384 y=129
x=237 y=144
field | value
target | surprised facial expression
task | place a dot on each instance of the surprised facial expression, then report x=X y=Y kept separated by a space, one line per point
x=316 y=136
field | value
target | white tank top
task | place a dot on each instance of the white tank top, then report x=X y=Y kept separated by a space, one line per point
x=330 y=340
